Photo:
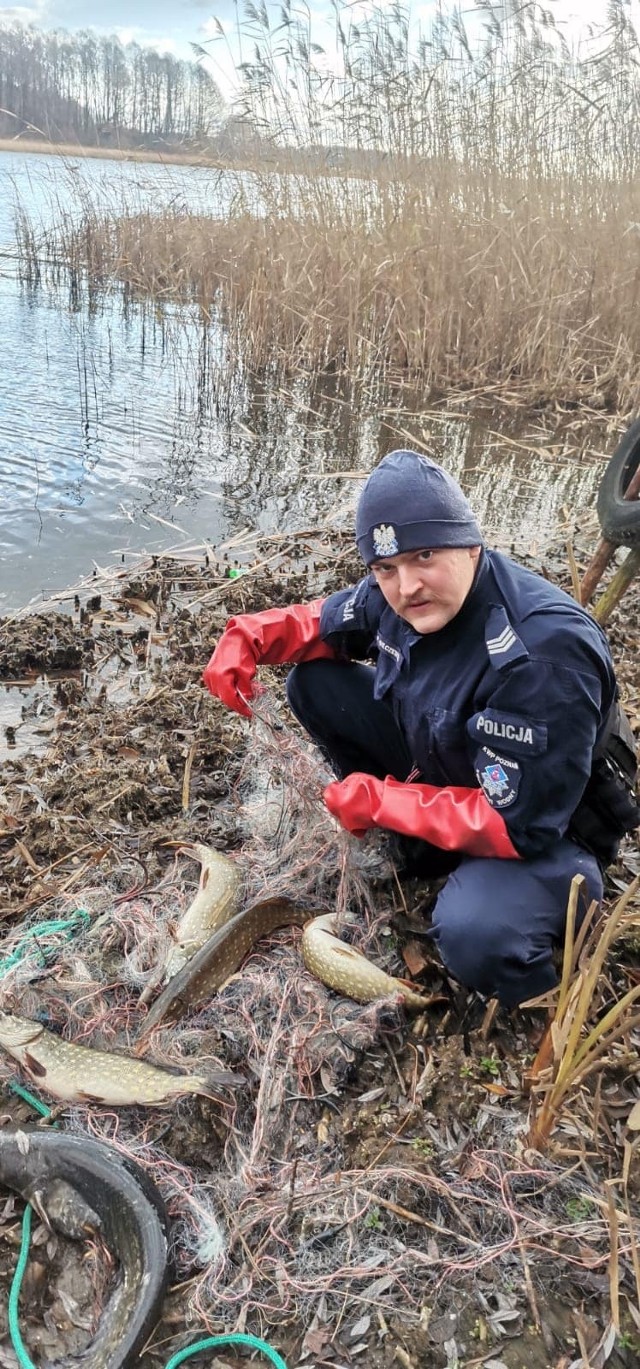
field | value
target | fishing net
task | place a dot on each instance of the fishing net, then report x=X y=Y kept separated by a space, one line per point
x=288 y=1201
x=291 y=843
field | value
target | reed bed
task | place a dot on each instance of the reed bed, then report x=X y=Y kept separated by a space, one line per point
x=445 y=297
x=460 y=207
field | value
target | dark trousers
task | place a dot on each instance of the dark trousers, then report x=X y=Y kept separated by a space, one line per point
x=495 y=922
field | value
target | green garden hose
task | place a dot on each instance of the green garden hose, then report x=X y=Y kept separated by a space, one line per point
x=252 y=1342
x=210 y=1343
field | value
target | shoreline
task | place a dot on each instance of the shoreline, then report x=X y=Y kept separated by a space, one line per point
x=113 y=154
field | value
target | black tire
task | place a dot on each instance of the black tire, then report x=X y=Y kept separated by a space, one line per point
x=620 y=517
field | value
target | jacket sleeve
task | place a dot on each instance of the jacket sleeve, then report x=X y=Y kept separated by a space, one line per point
x=350 y=618
x=532 y=745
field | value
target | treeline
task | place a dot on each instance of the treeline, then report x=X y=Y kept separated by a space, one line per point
x=92 y=89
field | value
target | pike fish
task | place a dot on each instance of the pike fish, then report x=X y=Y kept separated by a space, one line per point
x=338 y=965
x=214 y=904
x=221 y=955
x=82 y=1188
x=345 y=969
x=80 y=1074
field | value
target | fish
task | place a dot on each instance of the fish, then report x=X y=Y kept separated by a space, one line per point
x=206 y=972
x=81 y=1188
x=343 y=968
x=81 y=1074
x=214 y=904
x=337 y=965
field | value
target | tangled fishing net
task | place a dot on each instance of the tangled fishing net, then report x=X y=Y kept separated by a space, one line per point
x=272 y=1221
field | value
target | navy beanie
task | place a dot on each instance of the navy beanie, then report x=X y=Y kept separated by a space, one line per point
x=410 y=502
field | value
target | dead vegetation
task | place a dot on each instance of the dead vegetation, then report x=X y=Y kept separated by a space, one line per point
x=426 y=1193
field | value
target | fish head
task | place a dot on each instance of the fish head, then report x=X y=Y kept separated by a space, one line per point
x=18 y=1031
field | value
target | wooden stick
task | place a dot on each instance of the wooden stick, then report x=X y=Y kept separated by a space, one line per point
x=605 y=550
x=186 y=783
x=619 y=585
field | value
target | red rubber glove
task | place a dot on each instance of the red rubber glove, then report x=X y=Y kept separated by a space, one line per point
x=455 y=819
x=273 y=637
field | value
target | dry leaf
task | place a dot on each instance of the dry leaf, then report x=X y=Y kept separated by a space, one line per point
x=360 y=1328
x=633 y=1120
x=414 y=957
x=141 y=606
x=315 y=1340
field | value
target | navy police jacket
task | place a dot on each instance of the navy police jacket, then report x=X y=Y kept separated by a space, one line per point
x=512 y=695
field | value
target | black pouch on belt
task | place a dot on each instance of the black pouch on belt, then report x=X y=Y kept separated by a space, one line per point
x=609 y=808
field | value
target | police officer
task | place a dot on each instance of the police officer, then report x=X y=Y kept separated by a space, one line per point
x=486 y=734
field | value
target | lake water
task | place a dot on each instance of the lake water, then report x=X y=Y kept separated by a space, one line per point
x=114 y=439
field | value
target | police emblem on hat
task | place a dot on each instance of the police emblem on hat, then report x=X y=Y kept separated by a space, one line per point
x=385 y=542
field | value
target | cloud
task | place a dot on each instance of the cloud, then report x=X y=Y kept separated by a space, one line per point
x=133 y=34
x=35 y=13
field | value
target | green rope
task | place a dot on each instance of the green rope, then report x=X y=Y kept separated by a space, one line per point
x=14 y=1294
x=57 y=925
x=212 y=1341
x=68 y=925
x=30 y=1099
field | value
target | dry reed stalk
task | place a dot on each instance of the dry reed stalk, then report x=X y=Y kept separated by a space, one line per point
x=577 y=1049
x=441 y=295
x=614 y=1255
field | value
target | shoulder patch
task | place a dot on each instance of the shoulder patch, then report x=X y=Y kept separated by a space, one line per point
x=499 y=778
x=502 y=642
x=515 y=734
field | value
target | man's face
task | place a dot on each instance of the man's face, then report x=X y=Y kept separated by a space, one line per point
x=427 y=588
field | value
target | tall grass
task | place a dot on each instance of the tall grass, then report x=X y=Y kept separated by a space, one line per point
x=462 y=206
x=590 y=1031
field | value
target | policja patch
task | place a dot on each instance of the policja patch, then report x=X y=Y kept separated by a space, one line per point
x=519 y=736
x=498 y=777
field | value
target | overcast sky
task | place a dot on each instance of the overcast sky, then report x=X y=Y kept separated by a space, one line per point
x=171 y=25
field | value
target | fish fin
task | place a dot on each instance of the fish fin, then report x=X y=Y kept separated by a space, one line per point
x=34 y=1066
x=229 y=980
x=36 y=1198
x=224 y=1079
x=347 y=952
x=420 y=988
x=89 y=1097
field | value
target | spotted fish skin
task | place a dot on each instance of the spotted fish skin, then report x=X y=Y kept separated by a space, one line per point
x=45 y=1167
x=339 y=966
x=215 y=903
x=343 y=968
x=80 y=1074
x=221 y=956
